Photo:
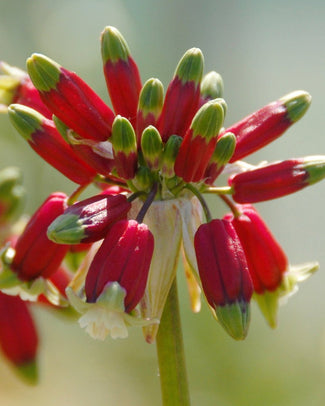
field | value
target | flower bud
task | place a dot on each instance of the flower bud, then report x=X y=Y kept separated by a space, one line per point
x=152 y=147
x=18 y=336
x=121 y=74
x=169 y=155
x=150 y=104
x=270 y=122
x=16 y=87
x=277 y=179
x=125 y=147
x=199 y=142
x=70 y=98
x=42 y=136
x=223 y=152
x=88 y=220
x=123 y=257
x=224 y=275
x=266 y=260
x=182 y=95
x=211 y=87
x=35 y=255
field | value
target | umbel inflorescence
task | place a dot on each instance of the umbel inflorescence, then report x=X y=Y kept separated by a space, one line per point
x=152 y=158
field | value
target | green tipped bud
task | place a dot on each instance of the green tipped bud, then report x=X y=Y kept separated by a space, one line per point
x=209 y=119
x=169 y=155
x=143 y=179
x=44 y=72
x=66 y=229
x=268 y=302
x=152 y=147
x=224 y=149
x=151 y=98
x=123 y=136
x=315 y=167
x=190 y=67
x=234 y=318
x=296 y=103
x=28 y=372
x=114 y=46
x=25 y=120
x=10 y=80
x=212 y=86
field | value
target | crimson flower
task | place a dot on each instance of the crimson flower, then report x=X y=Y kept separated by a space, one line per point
x=162 y=153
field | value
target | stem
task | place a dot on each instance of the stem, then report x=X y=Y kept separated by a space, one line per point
x=170 y=350
x=204 y=205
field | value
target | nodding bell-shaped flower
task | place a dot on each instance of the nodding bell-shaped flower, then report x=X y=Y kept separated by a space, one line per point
x=267 y=262
x=34 y=258
x=116 y=280
x=88 y=220
x=224 y=275
x=18 y=336
x=277 y=179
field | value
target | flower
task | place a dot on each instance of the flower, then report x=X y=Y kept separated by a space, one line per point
x=162 y=153
x=224 y=274
x=18 y=336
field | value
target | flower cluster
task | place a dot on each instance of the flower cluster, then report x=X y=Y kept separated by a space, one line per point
x=152 y=158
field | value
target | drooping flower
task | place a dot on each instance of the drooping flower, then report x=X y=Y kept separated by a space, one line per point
x=18 y=336
x=162 y=154
x=224 y=274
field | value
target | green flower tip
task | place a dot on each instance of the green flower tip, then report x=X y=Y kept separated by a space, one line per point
x=315 y=167
x=28 y=371
x=209 y=119
x=25 y=120
x=151 y=97
x=123 y=136
x=113 y=46
x=44 y=72
x=212 y=85
x=224 y=149
x=169 y=155
x=190 y=67
x=66 y=229
x=268 y=302
x=234 y=318
x=151 y=142
x=296 y=103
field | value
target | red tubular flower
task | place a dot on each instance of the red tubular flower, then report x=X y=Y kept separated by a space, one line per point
x=88 y=220
x=224 y=275
x=35 y=255
x=46 y=141
x=266 y=260
x=265 y=125
x=18 y=335
x=182 y=96
x=70 y=98
x=123 y=257
x=277 y=179
x=199 y=142
x=121 y=74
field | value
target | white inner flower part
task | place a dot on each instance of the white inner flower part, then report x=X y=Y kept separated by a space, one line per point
x=100 y=322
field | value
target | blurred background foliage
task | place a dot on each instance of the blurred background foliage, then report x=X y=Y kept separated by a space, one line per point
x=263 y=50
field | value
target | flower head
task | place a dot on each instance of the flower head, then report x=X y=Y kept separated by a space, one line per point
x=162 y=153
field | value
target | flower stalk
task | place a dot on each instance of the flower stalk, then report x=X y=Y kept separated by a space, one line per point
x=171 y=358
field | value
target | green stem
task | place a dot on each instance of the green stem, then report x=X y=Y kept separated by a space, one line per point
x=172 y=370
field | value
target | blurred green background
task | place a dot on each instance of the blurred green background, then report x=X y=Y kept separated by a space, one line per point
x=263 y=50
